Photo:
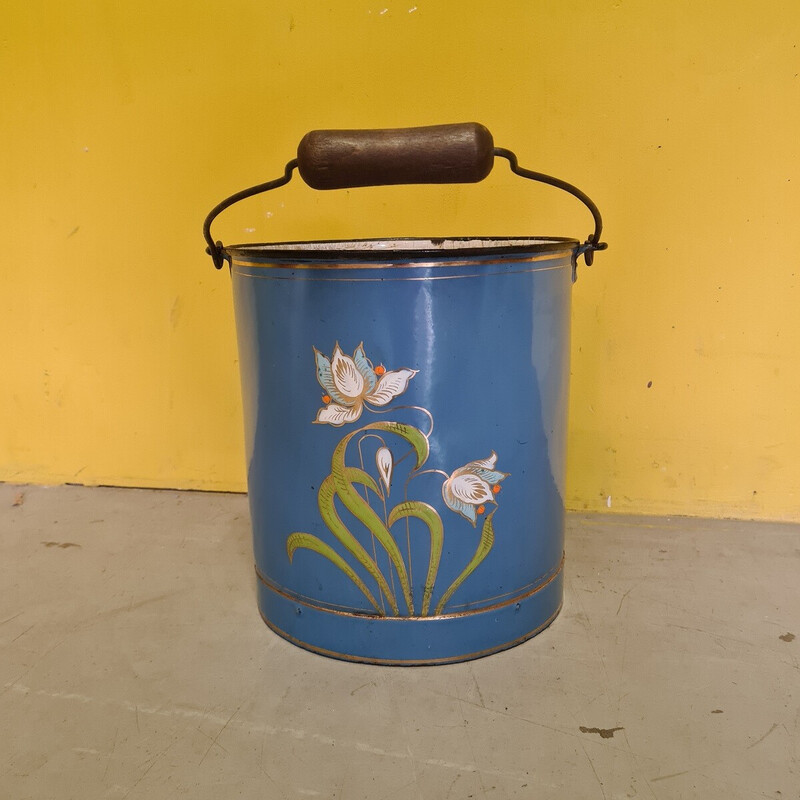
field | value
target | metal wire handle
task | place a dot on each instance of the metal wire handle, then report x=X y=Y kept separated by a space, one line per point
x=592 y=243
x=587 y=249
x=214 y=249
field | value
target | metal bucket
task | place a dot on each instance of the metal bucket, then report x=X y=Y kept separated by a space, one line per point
x=405 y=406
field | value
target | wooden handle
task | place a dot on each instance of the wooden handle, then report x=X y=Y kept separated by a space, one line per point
x=461 y=153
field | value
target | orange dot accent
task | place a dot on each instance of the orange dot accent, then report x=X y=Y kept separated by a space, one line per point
x=496 y=488
x=481 y=509
x=326 y=398
x=380 y=369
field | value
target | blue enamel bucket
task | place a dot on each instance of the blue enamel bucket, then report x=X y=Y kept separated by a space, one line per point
x=405 y=406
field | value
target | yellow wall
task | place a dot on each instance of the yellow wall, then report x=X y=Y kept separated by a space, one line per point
x=122 y=123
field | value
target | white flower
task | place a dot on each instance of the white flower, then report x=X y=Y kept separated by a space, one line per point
x=470 y=487
x=350 y=382
x=384 y=460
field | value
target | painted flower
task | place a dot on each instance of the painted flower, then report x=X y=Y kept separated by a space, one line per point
x=348 y=383
x=384 y=460
x=470 y=487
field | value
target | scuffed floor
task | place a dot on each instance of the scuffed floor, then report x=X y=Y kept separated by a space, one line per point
x=135 y=665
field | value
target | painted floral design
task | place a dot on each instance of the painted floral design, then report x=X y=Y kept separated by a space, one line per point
x=368 y=532
x=384 y=461
x=348 y=383
x=470 y=487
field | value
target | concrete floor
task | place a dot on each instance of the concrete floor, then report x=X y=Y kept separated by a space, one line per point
x=135 y=665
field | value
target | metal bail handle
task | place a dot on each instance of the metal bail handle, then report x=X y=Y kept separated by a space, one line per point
x=340 y=159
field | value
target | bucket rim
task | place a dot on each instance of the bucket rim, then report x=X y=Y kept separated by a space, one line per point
x=408 y=248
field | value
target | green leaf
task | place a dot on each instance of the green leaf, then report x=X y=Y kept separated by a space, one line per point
x=310 y=542
x=414 y=436
x=356 y=475
x=361 y=510
x=428 y=515
x=484 y=546
x=331 y=518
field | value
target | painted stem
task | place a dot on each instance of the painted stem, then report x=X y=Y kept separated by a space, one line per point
x=428 y=515
x=310 y=542
x=484 y=546
x=412 y=408
x=331 y=518
x=356 y=505
x=366 y=497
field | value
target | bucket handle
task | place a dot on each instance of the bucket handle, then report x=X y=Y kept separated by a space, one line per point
x=459 y=153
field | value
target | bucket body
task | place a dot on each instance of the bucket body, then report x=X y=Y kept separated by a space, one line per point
x=405 y=412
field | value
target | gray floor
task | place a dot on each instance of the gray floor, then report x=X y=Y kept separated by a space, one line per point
x=134 y=665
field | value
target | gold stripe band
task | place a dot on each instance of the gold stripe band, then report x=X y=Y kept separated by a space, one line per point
x=406 y=263
x=411 y=662
x=366 y=615
x=392 y=278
